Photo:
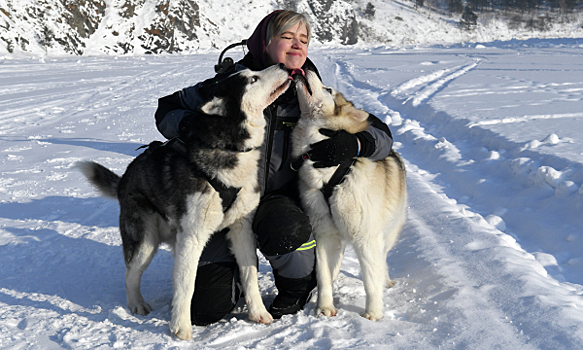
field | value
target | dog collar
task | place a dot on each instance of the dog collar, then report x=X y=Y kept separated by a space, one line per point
x=177 y=144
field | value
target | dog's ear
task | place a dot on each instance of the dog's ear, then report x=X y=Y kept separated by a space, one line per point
x=343 y=106
x=358 y=114
x=216 y=106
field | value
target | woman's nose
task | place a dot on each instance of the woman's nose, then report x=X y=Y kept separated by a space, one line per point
x=297 y=43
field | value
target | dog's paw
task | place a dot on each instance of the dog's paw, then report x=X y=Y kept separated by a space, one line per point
x=373 y=316
x=142 y=308
x=261 y=317
x=183 y=330
x=390 y=283
x=326 y=311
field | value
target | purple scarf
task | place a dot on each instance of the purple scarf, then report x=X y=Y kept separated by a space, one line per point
x=256 y=42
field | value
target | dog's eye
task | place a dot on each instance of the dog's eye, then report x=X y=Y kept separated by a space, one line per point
x=254 y=79
x=329 y=90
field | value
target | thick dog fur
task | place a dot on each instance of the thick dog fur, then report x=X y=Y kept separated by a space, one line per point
x=164 y=194
x=368 y=209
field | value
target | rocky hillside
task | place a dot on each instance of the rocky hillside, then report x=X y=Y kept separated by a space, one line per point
x=93 y=27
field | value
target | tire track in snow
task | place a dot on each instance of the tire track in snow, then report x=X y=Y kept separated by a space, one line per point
x=467 y=159
x=69 y=86
x=512 y=120
x=431 y=84
x=519 y=190
x=482 y=277
x=462 y=162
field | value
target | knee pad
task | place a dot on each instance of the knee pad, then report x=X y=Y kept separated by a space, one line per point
x=215 y=293
x=280 y=225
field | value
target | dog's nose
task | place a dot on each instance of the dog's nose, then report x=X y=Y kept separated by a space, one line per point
x=281 y=65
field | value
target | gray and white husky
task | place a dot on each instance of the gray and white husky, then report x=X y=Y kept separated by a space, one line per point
x=172 y=194
x=367 y=209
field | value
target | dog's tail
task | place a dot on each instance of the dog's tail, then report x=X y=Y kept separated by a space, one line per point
x=103 y=179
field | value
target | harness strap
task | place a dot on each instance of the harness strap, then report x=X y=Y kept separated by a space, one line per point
x=337 y=178
x=228 y=194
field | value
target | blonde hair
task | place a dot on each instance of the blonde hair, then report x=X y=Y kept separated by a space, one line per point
x=283 y=21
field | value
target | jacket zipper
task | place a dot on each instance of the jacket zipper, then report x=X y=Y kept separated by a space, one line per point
x=271 y=129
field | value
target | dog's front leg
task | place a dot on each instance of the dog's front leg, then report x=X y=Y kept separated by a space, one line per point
x=202 y=218
x=245 y=249
x=187 y=254
x=329 y=252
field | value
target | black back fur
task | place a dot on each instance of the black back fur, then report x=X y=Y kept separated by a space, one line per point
x=165 y=175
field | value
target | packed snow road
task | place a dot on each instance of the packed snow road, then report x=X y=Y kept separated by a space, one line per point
x=491 y=255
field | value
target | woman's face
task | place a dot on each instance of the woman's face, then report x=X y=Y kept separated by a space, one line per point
x=290 y=48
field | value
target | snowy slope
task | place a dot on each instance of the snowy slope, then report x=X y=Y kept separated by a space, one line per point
x=490 y=258
x=55 y=28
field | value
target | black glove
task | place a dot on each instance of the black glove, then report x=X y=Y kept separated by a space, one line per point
x=338 y=148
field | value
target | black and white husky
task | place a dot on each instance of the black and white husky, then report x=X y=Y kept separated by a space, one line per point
x=172 y=195
x=368 y=208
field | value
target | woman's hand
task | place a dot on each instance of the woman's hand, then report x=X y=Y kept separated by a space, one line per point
x=338 y=148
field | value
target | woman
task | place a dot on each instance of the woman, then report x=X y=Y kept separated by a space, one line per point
x=284 y=234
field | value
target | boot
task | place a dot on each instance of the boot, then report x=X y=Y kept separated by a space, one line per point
x=293 y=294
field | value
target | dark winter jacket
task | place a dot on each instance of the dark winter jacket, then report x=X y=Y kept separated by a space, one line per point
x=281 y=116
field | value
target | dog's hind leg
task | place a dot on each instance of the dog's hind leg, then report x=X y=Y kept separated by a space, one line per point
x=389 y=281
x=373 y=265
x=390 y=240
x=392 y=234
x=244 y=248
x=138 y=255
x=329 y=251
x=397 y=210
x=133 y=277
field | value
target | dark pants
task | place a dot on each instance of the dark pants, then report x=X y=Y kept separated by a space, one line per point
x=284 y=236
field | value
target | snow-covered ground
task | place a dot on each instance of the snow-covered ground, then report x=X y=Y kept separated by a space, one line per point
x=491 y=256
